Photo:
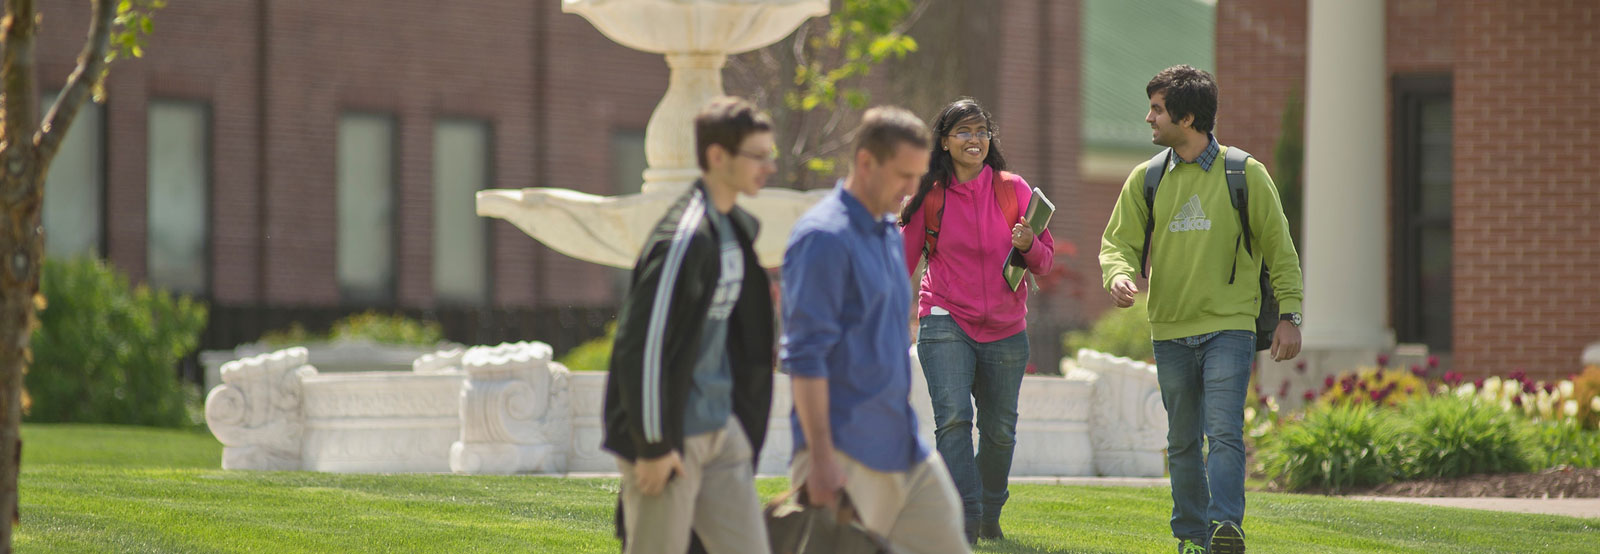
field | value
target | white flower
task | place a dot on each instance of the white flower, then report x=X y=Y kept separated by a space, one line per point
x=1492 y=383
x=1570 y=407
x=1511 y=387
x=1566 y=389
x=1594 y=404
x=1468 y=391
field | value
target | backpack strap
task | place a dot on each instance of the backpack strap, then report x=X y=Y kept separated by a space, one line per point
x=1233 y=164
x=932 y=213
x=1005 y=195
x=1153 y=171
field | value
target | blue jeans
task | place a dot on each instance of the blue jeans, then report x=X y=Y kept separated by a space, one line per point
x=961 y=371
x=1203 y=380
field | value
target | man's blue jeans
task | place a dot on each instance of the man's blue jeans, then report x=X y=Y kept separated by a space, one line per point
x=1203 y=380
x=962 y=371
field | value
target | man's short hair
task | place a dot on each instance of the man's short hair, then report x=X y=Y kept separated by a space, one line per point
x=885 y=128
x=1188 y=91
x=726 y=121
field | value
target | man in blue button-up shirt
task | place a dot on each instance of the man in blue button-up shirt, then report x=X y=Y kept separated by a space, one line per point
x=846 y=346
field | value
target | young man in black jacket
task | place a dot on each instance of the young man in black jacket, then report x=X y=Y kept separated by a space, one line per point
x=690 y=387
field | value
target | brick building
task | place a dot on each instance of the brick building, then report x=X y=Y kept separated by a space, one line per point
x=296 y=160
x=1488 y=194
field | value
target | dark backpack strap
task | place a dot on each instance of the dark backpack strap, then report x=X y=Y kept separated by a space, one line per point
x=1233 y=164
x=1153 y=171
x=932 y=214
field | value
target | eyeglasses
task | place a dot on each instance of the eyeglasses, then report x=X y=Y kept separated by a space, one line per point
x=967 y=135
x=764 y=158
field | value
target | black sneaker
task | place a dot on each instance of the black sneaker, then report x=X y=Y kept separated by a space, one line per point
x=1227 y=538
x=990 y=530
x=1187 y=546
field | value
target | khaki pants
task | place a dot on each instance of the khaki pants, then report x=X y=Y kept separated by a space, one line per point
x=917 y=510
x=715 y=494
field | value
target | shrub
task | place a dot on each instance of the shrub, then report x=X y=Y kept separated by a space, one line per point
x=1564 y=443
x=1333 y=448
x=1450 y=436
x=593 y=355
x=108 y=352
x=371 y=325
x=1120 y=332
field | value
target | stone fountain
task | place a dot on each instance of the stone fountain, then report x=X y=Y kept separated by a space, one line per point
x=696 y=36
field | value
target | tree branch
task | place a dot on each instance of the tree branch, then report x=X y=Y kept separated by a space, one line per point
x=91 y=68
x=21 y=108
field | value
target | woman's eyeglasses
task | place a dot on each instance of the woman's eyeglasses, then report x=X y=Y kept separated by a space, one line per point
x=967 y=135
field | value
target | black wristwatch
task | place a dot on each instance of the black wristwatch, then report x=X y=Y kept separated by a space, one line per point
x=1292 y=317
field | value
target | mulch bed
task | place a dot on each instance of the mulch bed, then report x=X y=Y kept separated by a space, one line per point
x=1550 y=483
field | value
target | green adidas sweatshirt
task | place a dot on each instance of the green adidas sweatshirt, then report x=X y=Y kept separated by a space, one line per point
x=1193 y=246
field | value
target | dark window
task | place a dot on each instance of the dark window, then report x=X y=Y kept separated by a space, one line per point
x=1422 y=203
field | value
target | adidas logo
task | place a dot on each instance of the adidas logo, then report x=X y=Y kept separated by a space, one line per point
x=1190 y=217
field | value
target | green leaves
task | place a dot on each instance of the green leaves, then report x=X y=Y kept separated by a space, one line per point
x=107 y=351
x=132 y=24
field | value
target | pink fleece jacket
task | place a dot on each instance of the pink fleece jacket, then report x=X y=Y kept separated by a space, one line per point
x=964 y=275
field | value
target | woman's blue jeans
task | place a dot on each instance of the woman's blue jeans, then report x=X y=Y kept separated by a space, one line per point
x=1203 y=380
x=961 y=371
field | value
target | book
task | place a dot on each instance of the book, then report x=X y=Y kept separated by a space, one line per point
x=1039 y=211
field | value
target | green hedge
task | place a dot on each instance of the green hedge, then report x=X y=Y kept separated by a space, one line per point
x=593 y=355
x=107 y=351
x=1120 y=332
x=1346 y=445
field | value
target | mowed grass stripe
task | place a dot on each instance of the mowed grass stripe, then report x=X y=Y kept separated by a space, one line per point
x=121 y=489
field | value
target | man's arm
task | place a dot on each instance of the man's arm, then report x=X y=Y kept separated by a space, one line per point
x=1121 y=246
x=1276 y=245
x=811 y=404
x=815 y=274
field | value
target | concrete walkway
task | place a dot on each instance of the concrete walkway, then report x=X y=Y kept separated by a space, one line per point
x=1572 y=507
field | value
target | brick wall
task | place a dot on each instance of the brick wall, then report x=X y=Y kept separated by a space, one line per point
x=1037 y=105
x=1527 y=293
x=277 y=75
x=1261 y=62
x=1524 y=256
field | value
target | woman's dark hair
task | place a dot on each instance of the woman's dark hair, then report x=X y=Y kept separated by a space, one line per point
x=941 y=167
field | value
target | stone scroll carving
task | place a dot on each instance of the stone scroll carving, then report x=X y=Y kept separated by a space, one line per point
x=256 y=414
x=1128 y=423
x=515 y=414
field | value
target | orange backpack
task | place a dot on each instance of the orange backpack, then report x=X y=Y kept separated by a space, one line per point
x=1005 y=195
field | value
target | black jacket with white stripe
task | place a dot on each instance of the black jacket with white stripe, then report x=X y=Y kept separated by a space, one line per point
x=658 y=337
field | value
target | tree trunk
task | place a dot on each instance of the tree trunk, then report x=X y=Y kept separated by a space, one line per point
x=21 y=246
x=26 y=148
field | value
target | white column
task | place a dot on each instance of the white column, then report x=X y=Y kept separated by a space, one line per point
x=1346 y=204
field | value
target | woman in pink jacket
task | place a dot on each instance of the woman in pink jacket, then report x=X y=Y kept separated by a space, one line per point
x=973 y=339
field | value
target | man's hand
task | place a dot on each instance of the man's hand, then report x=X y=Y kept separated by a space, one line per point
x=1123 y=289
x=1285 y=341
x=652 y=474
x=1022 y=235
x=824 y=481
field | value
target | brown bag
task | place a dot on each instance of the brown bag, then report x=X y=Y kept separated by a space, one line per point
x=795 y=528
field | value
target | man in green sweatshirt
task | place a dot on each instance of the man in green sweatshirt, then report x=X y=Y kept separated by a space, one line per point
x=1205 y=296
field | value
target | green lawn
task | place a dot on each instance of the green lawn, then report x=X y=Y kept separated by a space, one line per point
x=120 y=489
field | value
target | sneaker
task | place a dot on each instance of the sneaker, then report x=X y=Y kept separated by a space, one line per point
x=990 y=530
x=972 y=531
x=1187 y=546
x=1227 y=538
